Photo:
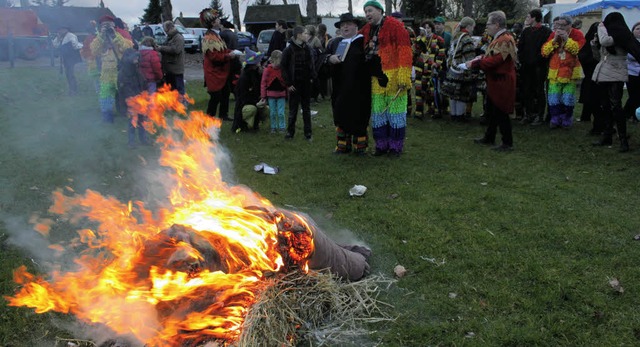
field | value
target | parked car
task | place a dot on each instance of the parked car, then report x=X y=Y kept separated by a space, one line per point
x=191 y=41
x=264 y=37
x=246 y=39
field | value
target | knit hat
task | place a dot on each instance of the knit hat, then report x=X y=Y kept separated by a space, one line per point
x=439 y=19
x=374 y=4
x=251 y=57
x=106 y=18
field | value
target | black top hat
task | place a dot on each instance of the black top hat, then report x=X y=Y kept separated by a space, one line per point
x=347 y=17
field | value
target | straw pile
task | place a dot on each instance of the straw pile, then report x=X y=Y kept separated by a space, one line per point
x=315 y=308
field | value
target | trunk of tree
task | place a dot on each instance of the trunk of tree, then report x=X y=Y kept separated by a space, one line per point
x=312 y=11
x=351 y=6
x=467 y=7
x=166 y=10
x=284 y=2
x=235 y=12
x=388 y=8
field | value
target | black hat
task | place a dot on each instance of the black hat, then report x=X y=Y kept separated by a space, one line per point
x=347 y=17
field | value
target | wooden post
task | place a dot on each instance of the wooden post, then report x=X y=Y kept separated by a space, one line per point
x=10 y=49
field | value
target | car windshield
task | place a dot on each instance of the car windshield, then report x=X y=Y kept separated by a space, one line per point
x=265 y=37
x=182 y=30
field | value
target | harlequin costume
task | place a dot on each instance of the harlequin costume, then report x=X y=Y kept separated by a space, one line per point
x=109 y=52
x=499 y=67
x=564 y=71
x=428 y=61
x=388 y=52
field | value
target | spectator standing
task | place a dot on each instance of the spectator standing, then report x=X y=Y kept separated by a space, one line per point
x=589 y=90
x=273 y=89
x=534 y=67
x=633 y=84
x=389 y=57
x=460 y=85
x=173 y=57
x=150 y=64
x=249 y=112
x=439 y=30
x=351 y=95
x=146 y=30
x=498 y=64
x=136 y=33
x=230 y=39
x=279 y=38
x=108 y=46
x=564 y=71
x=216 y=61
x=298 y=69
x=92 y=61
x=614 y=42
x=316 y=49
x=69 y=48
x=428 y=62
x=131 y=82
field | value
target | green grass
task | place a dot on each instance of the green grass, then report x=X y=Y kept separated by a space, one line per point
x=526 y=241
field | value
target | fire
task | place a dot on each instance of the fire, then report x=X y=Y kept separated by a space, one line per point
x=184 y=273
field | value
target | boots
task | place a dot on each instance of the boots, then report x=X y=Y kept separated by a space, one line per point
x=624 y=144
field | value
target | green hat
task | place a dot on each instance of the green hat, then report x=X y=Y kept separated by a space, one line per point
x=439 y=19
x=374 y=4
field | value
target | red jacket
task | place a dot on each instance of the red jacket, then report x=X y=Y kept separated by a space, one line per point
x=499 y=67
x=150 y=64
x=270 y=74
x=217 y=63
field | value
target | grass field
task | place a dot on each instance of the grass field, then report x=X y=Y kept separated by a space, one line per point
x=512 y=249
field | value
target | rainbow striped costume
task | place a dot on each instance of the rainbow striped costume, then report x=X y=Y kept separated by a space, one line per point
x=390 y=42
x=564 y=71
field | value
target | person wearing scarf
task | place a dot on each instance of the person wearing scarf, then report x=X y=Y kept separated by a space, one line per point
x=428 y=61
x=614 y=41
x=388 y=55
x=499 y=66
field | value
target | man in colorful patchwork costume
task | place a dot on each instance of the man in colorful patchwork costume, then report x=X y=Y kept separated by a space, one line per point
x=389 y=58
x=428 y=61
x=108 y=46
x=564 y=70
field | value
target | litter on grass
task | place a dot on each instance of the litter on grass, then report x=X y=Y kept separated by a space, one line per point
x=357 y=190
x=266 y=169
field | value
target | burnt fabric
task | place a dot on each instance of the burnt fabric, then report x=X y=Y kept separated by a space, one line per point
x=348 y=262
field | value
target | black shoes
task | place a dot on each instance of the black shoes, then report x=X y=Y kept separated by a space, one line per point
x=605 y=141
x=502 y=148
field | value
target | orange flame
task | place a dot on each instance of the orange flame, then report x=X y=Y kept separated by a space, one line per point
x=184 y=273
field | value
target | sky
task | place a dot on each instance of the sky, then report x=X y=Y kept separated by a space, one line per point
x=131 y=10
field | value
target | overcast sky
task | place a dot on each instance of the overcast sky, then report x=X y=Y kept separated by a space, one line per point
x=131 y=10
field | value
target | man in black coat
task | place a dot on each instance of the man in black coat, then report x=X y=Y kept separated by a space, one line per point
x=279 y=38
x=351 y=94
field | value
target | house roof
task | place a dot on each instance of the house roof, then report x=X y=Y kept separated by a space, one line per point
x=189 y=22
x=262 y=14
x=76 y=18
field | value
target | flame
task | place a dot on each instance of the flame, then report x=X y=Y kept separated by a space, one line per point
x=187 y=272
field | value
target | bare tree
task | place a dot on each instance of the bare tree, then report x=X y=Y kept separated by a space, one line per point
x=388 y=5
x=467 y=8
x=350 y=6
x=235 y=12
x=284 y=2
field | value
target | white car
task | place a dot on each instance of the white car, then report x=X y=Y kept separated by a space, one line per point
x=191 y=41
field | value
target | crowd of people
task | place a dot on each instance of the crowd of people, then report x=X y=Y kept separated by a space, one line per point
x=380 y=71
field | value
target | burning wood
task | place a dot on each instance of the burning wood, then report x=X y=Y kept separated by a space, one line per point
x=188 y=273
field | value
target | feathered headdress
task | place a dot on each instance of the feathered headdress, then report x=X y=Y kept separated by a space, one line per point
x=208 y=16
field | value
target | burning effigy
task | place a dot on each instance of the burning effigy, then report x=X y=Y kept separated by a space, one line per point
x=219 y=264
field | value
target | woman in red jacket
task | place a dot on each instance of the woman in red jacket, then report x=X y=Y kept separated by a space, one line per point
x=498 y=65
x=150 y=63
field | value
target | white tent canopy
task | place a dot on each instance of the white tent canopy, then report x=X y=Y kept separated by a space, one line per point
x=630 y=9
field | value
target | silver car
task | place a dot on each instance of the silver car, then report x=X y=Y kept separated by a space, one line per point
x=191 y=41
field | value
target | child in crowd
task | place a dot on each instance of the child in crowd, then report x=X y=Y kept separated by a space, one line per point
x=150 y=65
x=298 y=69
x=131 y=82
x=273 y=89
